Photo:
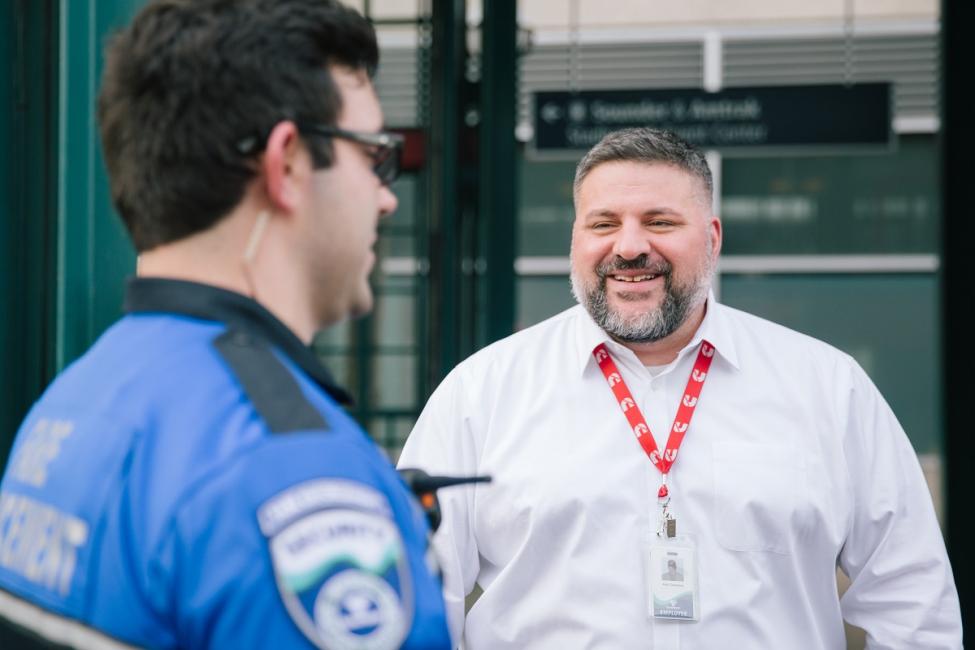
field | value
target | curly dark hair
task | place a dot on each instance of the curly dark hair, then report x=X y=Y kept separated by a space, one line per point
x=190 y=83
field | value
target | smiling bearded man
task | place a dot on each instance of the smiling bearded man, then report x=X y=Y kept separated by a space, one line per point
x=681 y=295
x=790 y=462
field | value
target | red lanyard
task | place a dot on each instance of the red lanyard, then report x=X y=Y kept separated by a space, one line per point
x=639 y=424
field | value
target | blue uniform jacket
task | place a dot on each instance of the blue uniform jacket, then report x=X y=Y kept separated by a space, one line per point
x=192 y=482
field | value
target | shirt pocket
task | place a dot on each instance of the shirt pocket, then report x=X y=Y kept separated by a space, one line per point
x=758 y=495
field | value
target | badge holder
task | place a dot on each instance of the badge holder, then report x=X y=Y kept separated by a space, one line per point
x=672 y=569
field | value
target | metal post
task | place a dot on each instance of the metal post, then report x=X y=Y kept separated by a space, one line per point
x=957 y=144
x=28 y=172
x=443 y=129
x=713 y=82
x=94 y=255
x=498 y=205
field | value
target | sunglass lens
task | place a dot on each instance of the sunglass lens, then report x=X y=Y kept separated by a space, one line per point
x=387 y=164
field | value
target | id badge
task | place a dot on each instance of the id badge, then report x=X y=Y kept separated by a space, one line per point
x=673 y=579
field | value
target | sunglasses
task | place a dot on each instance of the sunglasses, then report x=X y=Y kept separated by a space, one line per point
x=384 y=148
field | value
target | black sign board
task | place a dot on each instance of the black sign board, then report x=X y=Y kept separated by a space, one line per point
x=733 y=118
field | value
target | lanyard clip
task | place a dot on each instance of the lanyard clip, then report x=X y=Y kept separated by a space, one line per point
x=663 y=492
x=668 y=525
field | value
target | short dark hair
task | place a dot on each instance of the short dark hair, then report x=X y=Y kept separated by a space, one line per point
x=190 y=80
x=649 y=146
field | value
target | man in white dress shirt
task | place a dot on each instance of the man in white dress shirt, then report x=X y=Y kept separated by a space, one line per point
x=792 y=465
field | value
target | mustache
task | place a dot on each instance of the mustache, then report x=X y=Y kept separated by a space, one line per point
x=639 y=263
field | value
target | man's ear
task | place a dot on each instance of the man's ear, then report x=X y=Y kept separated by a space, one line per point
x=716 y=234
x=283 y=157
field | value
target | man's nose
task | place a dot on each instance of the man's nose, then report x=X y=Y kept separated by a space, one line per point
x=632 y=240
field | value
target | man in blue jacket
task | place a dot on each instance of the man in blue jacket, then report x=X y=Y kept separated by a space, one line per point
x=192 y=481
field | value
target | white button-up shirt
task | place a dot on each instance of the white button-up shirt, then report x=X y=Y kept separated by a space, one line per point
x=793 y=465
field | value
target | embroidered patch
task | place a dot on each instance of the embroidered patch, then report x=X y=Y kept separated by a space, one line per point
x=340 y=564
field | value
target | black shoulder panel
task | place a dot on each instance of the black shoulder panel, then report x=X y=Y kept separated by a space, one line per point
x=268 y=383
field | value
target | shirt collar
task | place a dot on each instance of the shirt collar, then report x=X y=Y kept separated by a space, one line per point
x=717 y=331
x=714 y=328
x=160 y=295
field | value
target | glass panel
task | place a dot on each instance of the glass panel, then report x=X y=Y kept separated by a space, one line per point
x=394 y=381
x=405 y=190
x=393 y=9
x=396 y=232
x=391 y=431
x=888 y=323
x=880 y=203
x=540 y=297
x=395 y=319
x=375 y=428
x=397 y=244
x=399 y=284
x=334 y=337
x=546 y=214
x=340 y=365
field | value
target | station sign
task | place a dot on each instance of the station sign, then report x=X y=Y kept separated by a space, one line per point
x=828 y=115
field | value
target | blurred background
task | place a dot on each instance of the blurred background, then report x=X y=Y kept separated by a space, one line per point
x=824 y=124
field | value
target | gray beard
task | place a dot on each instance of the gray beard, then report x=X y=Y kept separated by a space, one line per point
x=650 y=326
